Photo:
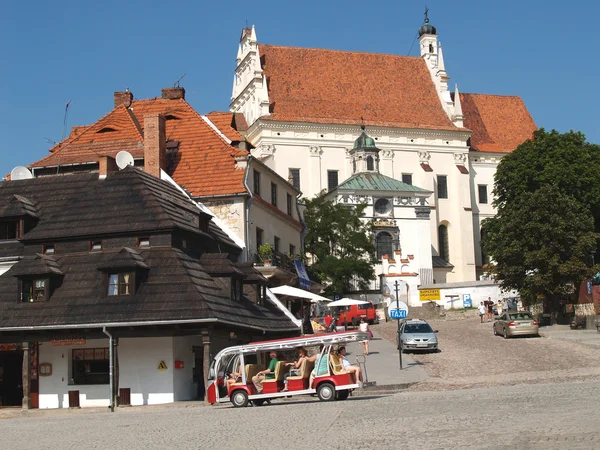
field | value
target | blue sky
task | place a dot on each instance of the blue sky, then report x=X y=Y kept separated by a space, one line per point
x=83 y=51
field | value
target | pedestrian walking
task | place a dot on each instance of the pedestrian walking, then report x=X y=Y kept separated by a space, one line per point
x=490 y=309
x=481 y=311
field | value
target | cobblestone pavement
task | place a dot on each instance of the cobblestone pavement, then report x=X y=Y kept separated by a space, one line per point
x=543 y=416
x=470 y=355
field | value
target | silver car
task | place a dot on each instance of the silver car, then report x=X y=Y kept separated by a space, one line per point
x=417 y=335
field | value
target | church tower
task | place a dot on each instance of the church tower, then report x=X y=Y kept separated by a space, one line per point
x=364 y=154
x=431 y=52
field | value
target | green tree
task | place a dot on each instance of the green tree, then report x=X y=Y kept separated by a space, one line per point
x=565 y=161
x=340 y=243
x=548 y=199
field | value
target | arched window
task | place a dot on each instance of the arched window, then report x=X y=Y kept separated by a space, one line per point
x=383 y=244
x=370 y=164
x=485 y=259
x=443 y=243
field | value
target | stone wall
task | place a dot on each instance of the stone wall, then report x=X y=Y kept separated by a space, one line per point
x=231 y=212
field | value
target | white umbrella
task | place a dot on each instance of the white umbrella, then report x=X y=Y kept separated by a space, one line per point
x=347 y=302
x=300 y=293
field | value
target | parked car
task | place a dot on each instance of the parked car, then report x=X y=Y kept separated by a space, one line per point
x=512 y=323
x=356 y=312
x=417 y=335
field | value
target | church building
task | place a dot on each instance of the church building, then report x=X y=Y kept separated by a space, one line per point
x=436 y=148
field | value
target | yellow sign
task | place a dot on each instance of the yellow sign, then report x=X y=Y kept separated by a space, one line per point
x=162 y=366
x=427 y=295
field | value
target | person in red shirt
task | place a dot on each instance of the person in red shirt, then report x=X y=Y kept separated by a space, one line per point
x=328 y=320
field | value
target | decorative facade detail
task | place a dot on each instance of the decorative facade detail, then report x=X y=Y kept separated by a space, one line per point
x=460 y=158
x=424 y=157
x=315 y=151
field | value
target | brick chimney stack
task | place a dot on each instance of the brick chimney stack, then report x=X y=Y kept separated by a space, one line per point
x=107 y=165
x=123 y=98
x=155 y=144
x=174 y=93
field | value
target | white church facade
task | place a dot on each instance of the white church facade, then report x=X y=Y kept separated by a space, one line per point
x=305 y=108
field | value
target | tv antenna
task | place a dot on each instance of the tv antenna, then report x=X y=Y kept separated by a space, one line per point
x=64 y=127
x=180 y=78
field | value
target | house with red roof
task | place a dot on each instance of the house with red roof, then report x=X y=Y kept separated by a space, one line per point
x=304 y=108
x=204 y=155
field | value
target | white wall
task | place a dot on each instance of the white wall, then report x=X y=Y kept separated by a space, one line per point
x=138 y=370
x=479 y=291
x=183 y=382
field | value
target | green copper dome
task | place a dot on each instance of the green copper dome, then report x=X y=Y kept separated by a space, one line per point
x=364 y=141
x=427 y=28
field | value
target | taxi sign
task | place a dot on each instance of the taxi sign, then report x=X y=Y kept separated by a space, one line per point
x=398 y=314
x=398 y=310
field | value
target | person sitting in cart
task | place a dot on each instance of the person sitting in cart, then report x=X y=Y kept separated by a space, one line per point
x=295 y=366
x=234 y=377
x=348 y=367
x=266 y=374
x=321 y=365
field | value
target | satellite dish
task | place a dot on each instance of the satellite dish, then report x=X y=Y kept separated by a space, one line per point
x=124 y=159
x=20 y=173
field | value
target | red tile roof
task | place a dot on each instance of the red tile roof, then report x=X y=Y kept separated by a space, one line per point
x=224 y=121
x=499 y=123
x=204 y=163
x=331 y=86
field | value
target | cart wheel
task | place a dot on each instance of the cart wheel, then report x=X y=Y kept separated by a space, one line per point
x=239 y=398
x=495 y=331
x=258 y=402
x=326 y=392
x=342 y=395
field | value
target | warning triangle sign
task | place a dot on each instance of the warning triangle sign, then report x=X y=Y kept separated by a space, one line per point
x=162 y=366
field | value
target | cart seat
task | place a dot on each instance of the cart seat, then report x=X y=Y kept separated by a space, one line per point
x=336 y=364
x=251 y=370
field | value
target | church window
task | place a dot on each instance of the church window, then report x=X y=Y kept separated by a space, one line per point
x=442 y=186
x=384 y=245
x=332 y=179
x=483 y=195
x=430 y=47
x=443 y=243
x=354 y=166
x=273 y=194
x=370 y=163
x=407 y=178
x=383 y=206
x=294 y=178
x=256 y=178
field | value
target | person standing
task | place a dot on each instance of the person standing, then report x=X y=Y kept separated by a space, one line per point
x=490 y=309
x=364 y=327
x=328 y=320
x=482 y=311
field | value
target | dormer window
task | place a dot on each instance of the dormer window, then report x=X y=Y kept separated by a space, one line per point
x=95 y=246
x=10 y=229
x=236 y=288
x=48 y=249
x=171 y=117
x=107 y=130
x=34 y=290
x=143 y=242
x=120 y=283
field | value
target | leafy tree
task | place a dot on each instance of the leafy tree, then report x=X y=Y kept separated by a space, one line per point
x=340 y=243
x=548 y=198
x=565 y=161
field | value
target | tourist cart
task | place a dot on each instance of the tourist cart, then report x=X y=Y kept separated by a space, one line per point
x=334 y=383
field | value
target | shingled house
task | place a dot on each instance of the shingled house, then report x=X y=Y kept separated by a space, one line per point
x=204 y=154
x=119 y=257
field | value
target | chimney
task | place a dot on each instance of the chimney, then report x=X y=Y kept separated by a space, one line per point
x=155 y=144
x=123 y=98
x=174 y=93
x=107 y=165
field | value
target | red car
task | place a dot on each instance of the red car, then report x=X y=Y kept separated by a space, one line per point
x=356 y=312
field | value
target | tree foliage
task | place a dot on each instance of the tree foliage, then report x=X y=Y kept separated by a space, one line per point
x=340 y=243
x=547 y=193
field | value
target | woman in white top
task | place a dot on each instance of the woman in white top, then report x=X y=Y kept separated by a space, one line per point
x=364 y=327
x=347 y=366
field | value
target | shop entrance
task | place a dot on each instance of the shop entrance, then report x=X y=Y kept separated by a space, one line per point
x=11 y=378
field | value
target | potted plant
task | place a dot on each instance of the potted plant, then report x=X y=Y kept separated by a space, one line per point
x=265 y=253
